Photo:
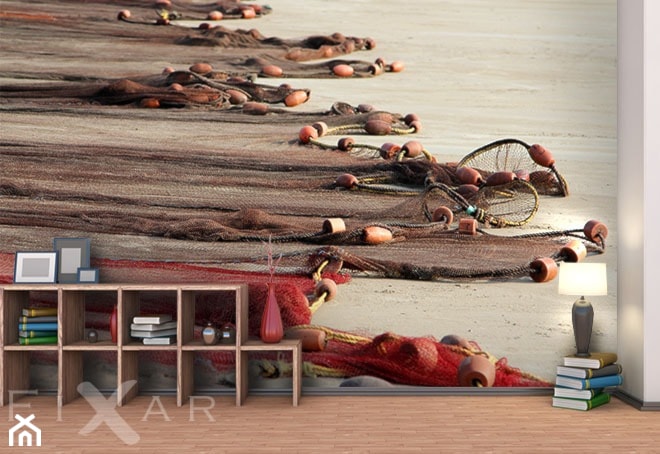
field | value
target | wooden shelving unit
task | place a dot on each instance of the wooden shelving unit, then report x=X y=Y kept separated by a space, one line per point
x=71 y=301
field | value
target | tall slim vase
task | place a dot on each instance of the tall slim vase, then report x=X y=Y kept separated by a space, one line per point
x=113 y=325
x=272 y=329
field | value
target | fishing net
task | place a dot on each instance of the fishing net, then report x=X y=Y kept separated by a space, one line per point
x=160 y=212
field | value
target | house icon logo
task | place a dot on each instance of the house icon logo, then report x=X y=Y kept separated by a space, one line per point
x=24 y=431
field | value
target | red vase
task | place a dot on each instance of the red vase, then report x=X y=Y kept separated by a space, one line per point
x=113 y=324
x=272 y=330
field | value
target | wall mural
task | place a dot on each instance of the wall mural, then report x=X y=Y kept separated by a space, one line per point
x=184 y=142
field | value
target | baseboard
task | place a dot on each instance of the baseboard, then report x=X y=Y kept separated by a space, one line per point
x=635 y=402
x=424 y=391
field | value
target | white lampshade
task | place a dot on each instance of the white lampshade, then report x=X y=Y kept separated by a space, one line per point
x=583 y=279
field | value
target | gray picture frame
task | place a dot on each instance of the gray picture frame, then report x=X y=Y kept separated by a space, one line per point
x=35 y=267
x=72 y=253
x=88 y=275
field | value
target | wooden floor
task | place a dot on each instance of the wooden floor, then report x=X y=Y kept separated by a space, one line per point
x=363 y=424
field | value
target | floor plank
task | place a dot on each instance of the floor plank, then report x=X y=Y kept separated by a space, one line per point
x=363 y=424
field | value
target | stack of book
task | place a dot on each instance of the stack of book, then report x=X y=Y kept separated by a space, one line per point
x=583 y=383
x=37 y=326
x=154 y=329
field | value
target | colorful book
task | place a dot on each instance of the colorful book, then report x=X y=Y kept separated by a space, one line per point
x=152 y=319
x=570 y=393
x=37 y=326
x=579 y=404
x=168 y=340
x=594 y=361
x=37 y=333
x=41 y=319
x=589 y=383
x=580 y=372
x=153 y=327
x=39 y=311
x=37 y=340
x=162 y=333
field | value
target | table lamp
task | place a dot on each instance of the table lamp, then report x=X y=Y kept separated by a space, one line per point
x=583 y=279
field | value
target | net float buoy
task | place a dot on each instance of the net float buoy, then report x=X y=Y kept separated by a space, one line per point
x=214 y=15
x=375 y=69
x=410 y=118
x=272 y=71
x=307 y=133
x=167 y=70
x=467 y=226
x=204 y=26
x=420 y=353
x=383 y=116
x=455 y=339
x=321 y=127
x=396 y=66
x=257 y=8
x=476 y=370
x=312 y=340
x=255 y=108
x=470 y=176
x=345 y=143
x=364 y=108
x=201 y=68
x=248 y=13
x=343 y=70
x=541 y=155
x=500 y=178
x=412 y=149
x=378 y=127
x=543 y=269
x=370 y=43
x=334 y=225
x=389 y=150
x=416 y=126
x=236 y=97
x=327 y=286
x=376 y=235
x=595 y=231
x=176 y=87
x=123 y=14
x=346 y=180
x=295 y=98
x=150 y=103
x=443 y=214
x=574 y=251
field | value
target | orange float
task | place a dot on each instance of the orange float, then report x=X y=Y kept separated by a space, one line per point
x=443 y=214
x=476 y=370
x=376 y=235
x=346 y=180
x=541 y=155
x=543 y=269
x=595 y=231
x=308 y=133
x=574 y=251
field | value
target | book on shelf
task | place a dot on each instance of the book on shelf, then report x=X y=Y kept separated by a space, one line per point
x=167 y=340
x=571 y=393
x=595 y=360
x=589 y=383
x=581 y=372
x=153 y=327
x=39 y=311
x=37 y=326
x=40 y=319
x=46 y=333
x=581 y=404
x=37 y=340
x=153 y=319
x=161 y=333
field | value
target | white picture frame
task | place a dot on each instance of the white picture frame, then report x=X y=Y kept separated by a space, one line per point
x=35 y=267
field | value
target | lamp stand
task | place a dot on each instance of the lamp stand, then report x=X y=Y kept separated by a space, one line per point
x=583 y=320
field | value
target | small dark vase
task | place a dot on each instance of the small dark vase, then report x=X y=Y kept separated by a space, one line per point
x=113 y=324
x=272 y=330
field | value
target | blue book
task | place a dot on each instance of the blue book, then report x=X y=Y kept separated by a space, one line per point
x=589 y=383
x=37 y=326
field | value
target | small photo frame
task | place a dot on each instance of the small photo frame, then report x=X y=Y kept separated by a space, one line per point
x=73 y=253
x=35 y=267
x=88 y=275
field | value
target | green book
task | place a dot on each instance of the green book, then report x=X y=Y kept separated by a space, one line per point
x=37 y=333
x=37 y=340
x=580 y=404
